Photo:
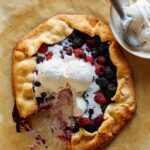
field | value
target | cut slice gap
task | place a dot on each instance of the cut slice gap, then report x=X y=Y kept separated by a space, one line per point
x=55 y=123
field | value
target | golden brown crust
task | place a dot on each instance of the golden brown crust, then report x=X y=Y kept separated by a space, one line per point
x=53 y=31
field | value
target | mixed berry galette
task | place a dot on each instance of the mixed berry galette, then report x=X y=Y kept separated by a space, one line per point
x=72 y=67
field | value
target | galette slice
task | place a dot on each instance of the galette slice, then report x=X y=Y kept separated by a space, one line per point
x=72 y=66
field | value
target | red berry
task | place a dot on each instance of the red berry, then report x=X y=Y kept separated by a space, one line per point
x=99 y=69
x=90 y=42
x=101 y=60
x=98 y=120
x=49 y=55
x=68 y=51
x=79 y=53
x=89 y=59
x=100 y=98
x=43 y=48
x=84 y=121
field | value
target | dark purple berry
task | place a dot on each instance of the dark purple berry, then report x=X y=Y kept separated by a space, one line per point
x=91 y=112
x=102 y=82
x=108 y=72
x=71 y=37
x=94 y=53
x=77 y=42
x=110 y=91
x=90 y=128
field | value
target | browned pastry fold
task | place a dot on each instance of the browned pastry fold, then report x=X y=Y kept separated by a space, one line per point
x=52 y=31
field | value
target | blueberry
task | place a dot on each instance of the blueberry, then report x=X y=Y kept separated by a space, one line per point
x=91 y=112
x=71 y=37
x=37 y=83
x=108 y=72
x=104 y=46
x=90 y=128
x=43 y=94
x=103 y=49
x=110 y=90
x=102 y=82
x=39 y=100
x=77 y=42
x=40 y=59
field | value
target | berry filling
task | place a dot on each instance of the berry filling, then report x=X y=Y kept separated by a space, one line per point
x=81 y=64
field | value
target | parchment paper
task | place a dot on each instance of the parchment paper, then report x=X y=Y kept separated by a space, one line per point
x=17 y=18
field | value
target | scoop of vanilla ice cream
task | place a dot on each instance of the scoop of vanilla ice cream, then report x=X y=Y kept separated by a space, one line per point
x=140 y=24
x=144 y=38
x=57 y=72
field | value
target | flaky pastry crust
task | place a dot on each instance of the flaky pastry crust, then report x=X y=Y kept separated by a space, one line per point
x=52 y=31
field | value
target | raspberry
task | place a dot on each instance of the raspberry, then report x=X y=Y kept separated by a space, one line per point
x=90 y=42
x=100 y=98
x=101 y=60
x=89 y=59
x=98 y=120
x=79 y=53
x=84 y=121
x=43 y=48
x=49 y=55
x=99 y=69
x=102 y=82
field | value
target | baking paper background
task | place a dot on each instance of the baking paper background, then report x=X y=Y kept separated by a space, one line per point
x=17 y=18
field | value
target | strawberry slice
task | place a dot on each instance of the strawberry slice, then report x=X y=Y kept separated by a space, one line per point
x=89 y=59
x=99 y=69
x=79 y=53
x=100 y=98
x=43 y=48
x=84 y=121
x=98 y=120
x=49 y=55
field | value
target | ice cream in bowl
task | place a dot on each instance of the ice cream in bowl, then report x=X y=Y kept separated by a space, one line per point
x=139 y=12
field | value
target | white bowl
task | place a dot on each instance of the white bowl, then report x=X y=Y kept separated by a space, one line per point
x=115 y=27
